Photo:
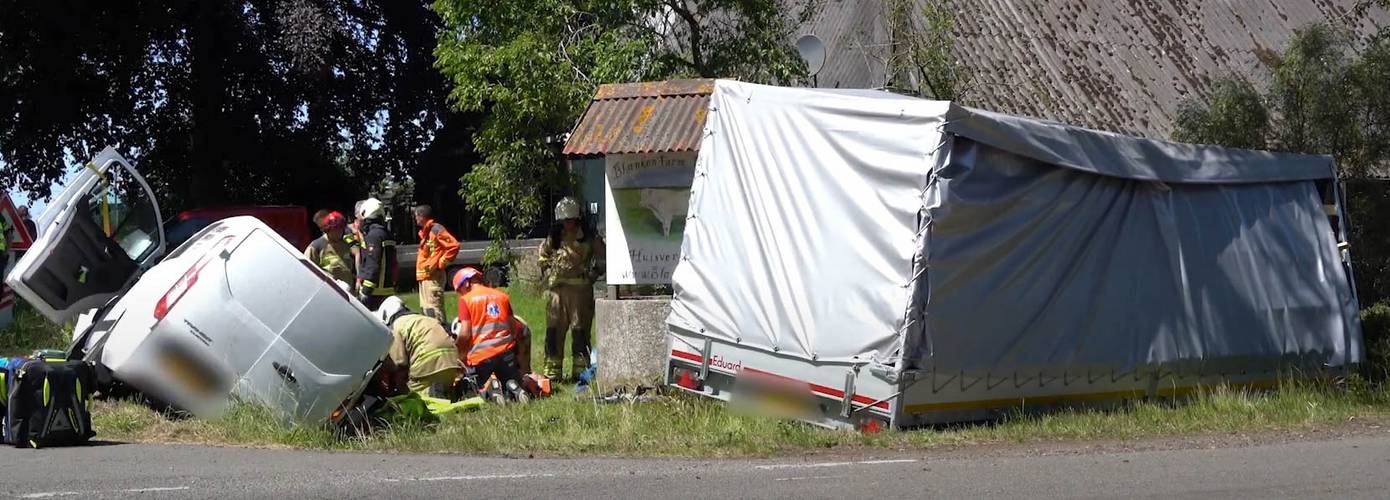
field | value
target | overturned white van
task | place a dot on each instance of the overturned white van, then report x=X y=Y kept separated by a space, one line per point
x=904 y=261
x=234 y=312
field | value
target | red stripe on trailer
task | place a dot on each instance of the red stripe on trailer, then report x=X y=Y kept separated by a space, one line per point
x=828 y=391
x=687 y=356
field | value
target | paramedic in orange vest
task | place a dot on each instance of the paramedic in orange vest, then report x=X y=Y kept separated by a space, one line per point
x=437 y=250
x=490 y=339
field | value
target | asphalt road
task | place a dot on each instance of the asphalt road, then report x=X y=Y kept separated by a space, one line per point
x=1356 y=467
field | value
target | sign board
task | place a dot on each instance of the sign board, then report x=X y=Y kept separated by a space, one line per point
x=646 y=197
x=20 y=239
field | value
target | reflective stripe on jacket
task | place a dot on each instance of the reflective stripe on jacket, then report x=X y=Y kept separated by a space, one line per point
x=489 y=314
x=421 y=343
x=437 y=250
x=379 y=267
x=571 y=262
x=334 y=259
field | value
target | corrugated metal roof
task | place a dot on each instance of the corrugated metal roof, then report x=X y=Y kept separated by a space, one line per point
x=1123 y=65
x=652 y=117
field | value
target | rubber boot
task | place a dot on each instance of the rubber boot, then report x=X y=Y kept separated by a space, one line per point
x=554 y=357
x=579 y=348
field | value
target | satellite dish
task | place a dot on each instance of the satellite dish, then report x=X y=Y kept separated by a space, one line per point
x=812 y=51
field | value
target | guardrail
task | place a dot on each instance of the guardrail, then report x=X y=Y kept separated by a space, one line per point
x=470 y=253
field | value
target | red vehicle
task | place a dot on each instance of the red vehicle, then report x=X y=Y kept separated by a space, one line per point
x=292 y=222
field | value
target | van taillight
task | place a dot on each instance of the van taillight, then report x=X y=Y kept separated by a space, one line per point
x=185 y=282
x=176 y=292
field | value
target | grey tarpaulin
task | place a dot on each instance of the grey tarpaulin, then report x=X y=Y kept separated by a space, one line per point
x=850 y=226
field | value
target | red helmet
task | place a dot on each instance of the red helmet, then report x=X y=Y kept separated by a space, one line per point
x=334 y=219
x=464 y=275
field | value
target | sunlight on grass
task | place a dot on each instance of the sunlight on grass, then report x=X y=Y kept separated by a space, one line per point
x=685 y=426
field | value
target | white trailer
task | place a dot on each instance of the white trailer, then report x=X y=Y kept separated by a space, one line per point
x=886 y=260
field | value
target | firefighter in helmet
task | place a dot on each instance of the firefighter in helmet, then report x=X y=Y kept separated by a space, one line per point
x=569 y=261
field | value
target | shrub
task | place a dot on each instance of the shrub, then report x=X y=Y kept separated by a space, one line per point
x=1375 y=330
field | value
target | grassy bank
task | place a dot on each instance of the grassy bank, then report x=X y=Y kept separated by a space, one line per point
x=689 y=427
x=679 y=425
x=31 y=331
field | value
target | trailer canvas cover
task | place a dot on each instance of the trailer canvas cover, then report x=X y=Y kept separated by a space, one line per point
x=863 y=228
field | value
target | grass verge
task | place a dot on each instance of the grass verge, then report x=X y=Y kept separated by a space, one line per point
x=682 y=426
x=30 y=331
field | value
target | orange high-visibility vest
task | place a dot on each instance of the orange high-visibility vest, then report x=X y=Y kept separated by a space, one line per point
x=489 y=314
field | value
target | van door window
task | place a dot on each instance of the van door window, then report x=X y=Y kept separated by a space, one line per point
x=123 y=210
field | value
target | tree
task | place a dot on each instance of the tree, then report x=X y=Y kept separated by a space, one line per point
x=917 y=56
x=1234 y=115
x=221 y=101
x=1322 y=97
x=534 y=65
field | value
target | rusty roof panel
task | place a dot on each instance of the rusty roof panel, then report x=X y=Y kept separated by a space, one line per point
x=652 y=117
x=1122 y=65
x=654 y=89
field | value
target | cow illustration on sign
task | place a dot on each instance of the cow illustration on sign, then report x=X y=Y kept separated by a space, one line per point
x=666 y=205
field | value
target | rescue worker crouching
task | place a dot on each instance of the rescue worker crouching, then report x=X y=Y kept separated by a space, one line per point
x=491 y=340
x=333 y=252
x=568 y=259
x=376 y=276
x=436 y=251
x=421 y=346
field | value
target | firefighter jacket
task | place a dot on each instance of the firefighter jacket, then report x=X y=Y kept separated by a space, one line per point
x=421 y=343
x=378 y=271
x=334 y=257
x=570 y=259
x=437 y=250
x=490 y=327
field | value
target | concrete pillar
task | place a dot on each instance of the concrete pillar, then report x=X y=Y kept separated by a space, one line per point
x=631 y=341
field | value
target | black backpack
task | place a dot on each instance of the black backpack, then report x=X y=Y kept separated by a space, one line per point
x=48 y=404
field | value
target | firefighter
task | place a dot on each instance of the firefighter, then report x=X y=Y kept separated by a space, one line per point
x=332 y=252
x=569 y=261
x=491 y=341
x=376 y=275
x=437 y=250
x=421 y=346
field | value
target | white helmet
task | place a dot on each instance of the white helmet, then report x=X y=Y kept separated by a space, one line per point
x=567 y=208
x=390 y=307
x=369 y=208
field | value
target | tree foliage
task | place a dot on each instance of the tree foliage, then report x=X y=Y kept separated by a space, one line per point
x=534 y=65
x=1325 y=94
x=918 y=54
x=1234 y=115
x=220 y=101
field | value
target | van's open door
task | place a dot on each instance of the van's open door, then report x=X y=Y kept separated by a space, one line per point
x=106 y=230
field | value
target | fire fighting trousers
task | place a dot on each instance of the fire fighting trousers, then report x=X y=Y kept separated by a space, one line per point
x=570 y=308
x=432 y=297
